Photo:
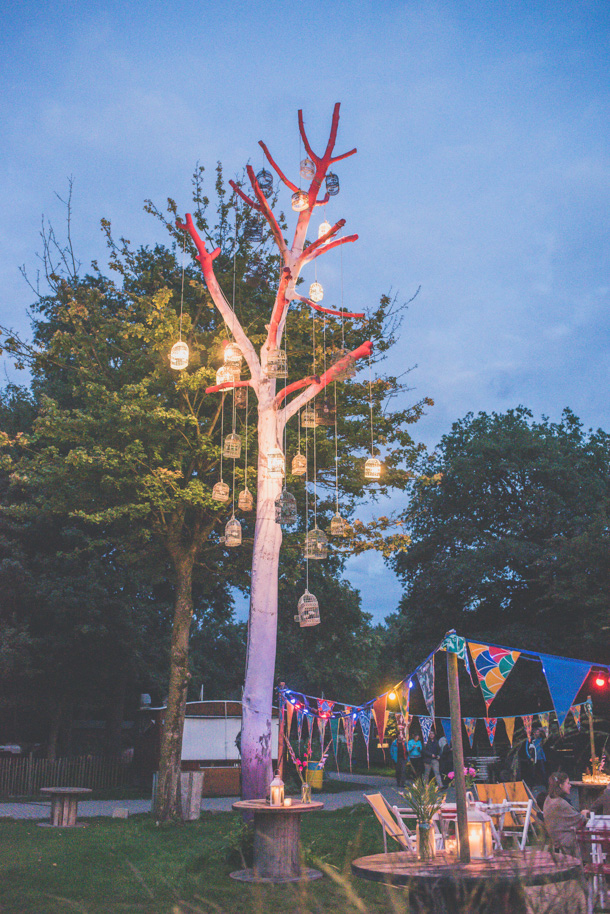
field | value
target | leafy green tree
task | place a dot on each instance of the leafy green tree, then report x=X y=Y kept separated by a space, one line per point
x=509 y=528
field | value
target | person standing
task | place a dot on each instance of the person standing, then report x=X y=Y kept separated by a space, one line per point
x=398 y=754
x=431 y=755
x=535 y=750
x=414 y=751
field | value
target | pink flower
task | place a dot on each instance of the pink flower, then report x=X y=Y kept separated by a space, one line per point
x=451 y=775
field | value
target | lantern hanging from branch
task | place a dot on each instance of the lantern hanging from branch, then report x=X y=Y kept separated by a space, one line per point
x=332 y=184
x=245 y=501
x=325 y=413
x=323 y=228
x=277 y=364
x=307 y=169
x=220 y=492
x=233 y=355
x=285 y=509
x=316 y=544
x=338 y=525
x=300 y=201
x=233 y=532
x=299 y=465
x=253 y=228
x=225 y=374
x=308 y=611
x=179 y=356
x=276 y=463
x=309 y=418
x=240 y=397
x=316 y=292
x=372 y=468
x=265 y=182
x=232 y=446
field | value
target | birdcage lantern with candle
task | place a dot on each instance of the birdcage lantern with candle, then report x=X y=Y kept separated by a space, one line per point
x=338 y=525
x=240 y=397
x=309 y=418
x=299 y=465
x=316 y=544
x=245 y=500
x=308 y=611
x=220 y=492
x=325 y=413
x=316 y=292
x=323 y=228
x=232 y=446
x=332 y=184
x=276 y=464
x=307 y=169
x=285 y=509
x=233 y=532
x=300 y=201
x=225 y=375
x=265 y=182
x=277 y=364
x=233 y=356
x=372 y=468
x=179 y=356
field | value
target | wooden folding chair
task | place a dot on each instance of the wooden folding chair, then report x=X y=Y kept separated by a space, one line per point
x=595 y=850
x=392 y=824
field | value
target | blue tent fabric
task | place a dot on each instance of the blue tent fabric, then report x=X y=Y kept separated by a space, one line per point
x=564 y=678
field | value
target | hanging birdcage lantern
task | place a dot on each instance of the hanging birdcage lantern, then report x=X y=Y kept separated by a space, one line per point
x=245 y=501
x=316 y=292
x=179 y=356
x=338 y=525
x=349 y=368
x=225 y=374
x=220 y=492
x=323 y=228
x=316 y=544
x=276 y=463
x=307 y=169
x=233 y=532
x=325 y=413
x=308 y=610
x=253 y=228
x=309 y=418
x=265 y=182
x=241 y=397
x=299 y=465
x=232 y=446
x=332 y=184
x=233 y=355
x=372 y=468
x=277 y=364
x=300 y=201
x=285 y=509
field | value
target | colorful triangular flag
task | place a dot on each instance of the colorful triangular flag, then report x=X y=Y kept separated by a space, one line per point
x=545 y=719
x=364 y=717
x=425 y=675
x=493 y=664
x=348 y=729
x=381 y=717
x=426 y=725
x=288 y=720
x=446 y=722
x=575 y=709
x=527 y=723
x=470 y=723
x=490 y=726
x=403 y=693
x=509 y=723
x=564 y=679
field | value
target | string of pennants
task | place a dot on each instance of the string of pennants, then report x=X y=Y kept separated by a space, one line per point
x=492 y=665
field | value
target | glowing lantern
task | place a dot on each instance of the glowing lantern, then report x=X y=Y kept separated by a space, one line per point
x=307 y=169
x=309 y=418
x=338 y=526
x=276 y=791
x=316 y=545
x=372 y=468
x=299 y=465
x=308 y=611
x=233 y=355
x=479 y=834
x=316 y=292
x=276 y=463
x=220 y=492
x=225 y=375
x=277 y=365
x=285 y=509
x=179 y=356
x=232 y=446
x=300 y=201
x=323 y=228
x=233 y=533
x=325 y=413
x=245 y=501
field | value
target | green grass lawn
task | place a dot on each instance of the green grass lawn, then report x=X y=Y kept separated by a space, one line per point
x=134 y=866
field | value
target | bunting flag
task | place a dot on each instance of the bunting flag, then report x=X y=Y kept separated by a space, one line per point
x=289 y=714
x=564 y=679
x=310 y=723
x=470 y=724
x=401 y=726
x=446 y=722
x=490 y=725
x=426 y=725
x=334 y=735
x=527 y=723
x=509 y=724
x=425 y=675
x=403 y=693
x=575 y=709
x=300 y=716
x=545 y=719
x=456 y=645
x=364 y=716
x=381 y=715
x=493 y=664
x=324 y=710
x=348 y=729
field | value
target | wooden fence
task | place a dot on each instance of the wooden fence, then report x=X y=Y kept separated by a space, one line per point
x=25 y=776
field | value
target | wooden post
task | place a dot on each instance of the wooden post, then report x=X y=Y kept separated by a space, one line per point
x=280 y=738
x=457 y=748
x=594 y=759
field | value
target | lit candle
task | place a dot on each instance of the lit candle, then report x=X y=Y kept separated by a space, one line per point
x=451 y=845
x=288 y=801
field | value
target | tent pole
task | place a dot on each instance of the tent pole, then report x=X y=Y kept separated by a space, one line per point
x=594 y=759
x=457 y=747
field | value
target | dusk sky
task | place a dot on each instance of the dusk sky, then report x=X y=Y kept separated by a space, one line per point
x=482 y=174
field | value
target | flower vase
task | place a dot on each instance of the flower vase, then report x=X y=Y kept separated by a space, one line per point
x=426 y=846
x=305 y=792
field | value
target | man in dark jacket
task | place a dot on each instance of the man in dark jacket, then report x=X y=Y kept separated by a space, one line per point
x=431 y=756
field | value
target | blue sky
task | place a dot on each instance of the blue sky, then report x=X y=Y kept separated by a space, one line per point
x=482 y=174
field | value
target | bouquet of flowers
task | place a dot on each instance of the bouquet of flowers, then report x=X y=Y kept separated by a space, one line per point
x=469 y=776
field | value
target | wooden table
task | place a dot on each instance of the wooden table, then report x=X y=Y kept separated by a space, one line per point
x=588 y=792
x=446 y=886
x=64 y=805
x=276 y=842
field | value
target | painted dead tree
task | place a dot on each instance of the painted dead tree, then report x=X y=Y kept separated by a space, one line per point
x=275 y=409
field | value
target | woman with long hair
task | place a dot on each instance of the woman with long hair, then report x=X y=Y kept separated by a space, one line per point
x=560 y=819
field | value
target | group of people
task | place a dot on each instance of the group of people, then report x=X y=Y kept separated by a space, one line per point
x=422 y=759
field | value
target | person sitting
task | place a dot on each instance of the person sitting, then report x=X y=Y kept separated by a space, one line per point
x=560 y=819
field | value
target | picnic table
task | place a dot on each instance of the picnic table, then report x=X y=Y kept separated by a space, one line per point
x=64 y=805
x=443 y=884
x=276 y=842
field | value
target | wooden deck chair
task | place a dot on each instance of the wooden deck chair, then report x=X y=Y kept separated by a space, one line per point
x=391 y=825
x=519 y=792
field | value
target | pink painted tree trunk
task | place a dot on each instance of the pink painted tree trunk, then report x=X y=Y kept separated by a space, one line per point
x=274 y=411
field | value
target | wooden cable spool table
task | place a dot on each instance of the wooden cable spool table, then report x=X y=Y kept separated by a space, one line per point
x=276 y=842
x=446 y=886
x=64 y=806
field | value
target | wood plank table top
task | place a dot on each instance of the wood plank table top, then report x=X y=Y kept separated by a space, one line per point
x=66 y=791
x=261 y=806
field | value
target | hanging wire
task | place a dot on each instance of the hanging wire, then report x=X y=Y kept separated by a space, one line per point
x=222 y=431
x=342 y=310
x=306 y=511
x=315 y=465
x=246 y=445
x=336 y=454
x=182 y=288
x=371 y=402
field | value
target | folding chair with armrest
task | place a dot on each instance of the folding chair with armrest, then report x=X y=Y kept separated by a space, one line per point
x=392 y=824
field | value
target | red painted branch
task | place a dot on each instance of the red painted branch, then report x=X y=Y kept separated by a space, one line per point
x=344 y=156
x=267 y=212
x=277 y=168
x=364 y=350
x=245 y=197
x=310 y=151
x=328 y=247
x=312 y=304
x=296 y=385
x=322 y=240
x=227 y=385
x=281 y=303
